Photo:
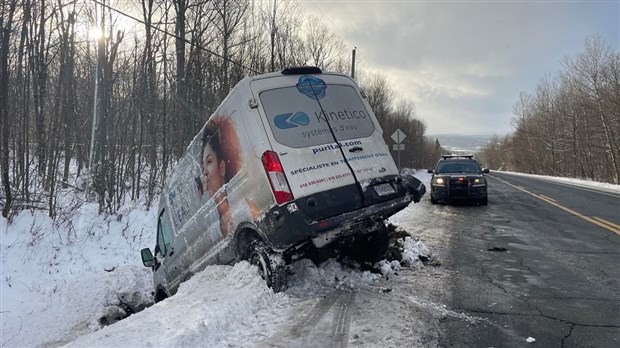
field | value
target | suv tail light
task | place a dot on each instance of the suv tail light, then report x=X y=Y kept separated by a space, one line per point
x=277 y=179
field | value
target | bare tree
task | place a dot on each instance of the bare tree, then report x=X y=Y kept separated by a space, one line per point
x=6 y=25
x=589 y=72
x=230 y=14
x=420 y=151
x=39 y=55
x=379 y=95
x=323 y=49
x=570 y=125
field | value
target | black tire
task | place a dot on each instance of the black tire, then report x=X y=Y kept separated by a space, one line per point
x=370 y=247
x=484 y=201
x=433 y=200
x=271 y=266
x=160 y=295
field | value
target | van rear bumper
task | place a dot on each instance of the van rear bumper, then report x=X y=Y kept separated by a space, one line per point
x=293 y=229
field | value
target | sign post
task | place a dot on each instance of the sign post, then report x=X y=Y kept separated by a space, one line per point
x=398 y=137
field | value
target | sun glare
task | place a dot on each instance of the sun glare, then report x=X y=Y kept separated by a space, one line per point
x=95 y=33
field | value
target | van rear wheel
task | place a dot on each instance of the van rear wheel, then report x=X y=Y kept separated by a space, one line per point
x=271 y=265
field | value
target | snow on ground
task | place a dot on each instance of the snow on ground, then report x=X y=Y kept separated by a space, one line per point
x=225 y=306
x=213 y=306
x=59 y=279
x=571 y=181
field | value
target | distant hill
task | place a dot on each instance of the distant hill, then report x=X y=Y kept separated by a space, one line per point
x=463 y=143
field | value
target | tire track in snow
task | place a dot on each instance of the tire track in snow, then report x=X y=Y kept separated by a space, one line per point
x=317 y=328
x=343 y=320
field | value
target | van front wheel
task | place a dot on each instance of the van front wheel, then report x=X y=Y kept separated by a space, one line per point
x=271 y=265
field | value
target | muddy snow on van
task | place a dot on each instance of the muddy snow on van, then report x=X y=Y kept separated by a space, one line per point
x=82 y=284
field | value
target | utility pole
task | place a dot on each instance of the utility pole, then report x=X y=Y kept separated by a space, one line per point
x=353 y=63
x=98 y=36
x=273 y=37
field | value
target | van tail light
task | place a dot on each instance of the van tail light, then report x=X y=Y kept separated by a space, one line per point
x=277 y=179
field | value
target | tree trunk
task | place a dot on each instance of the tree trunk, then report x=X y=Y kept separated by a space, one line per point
x=6 y=24
x=40 y=72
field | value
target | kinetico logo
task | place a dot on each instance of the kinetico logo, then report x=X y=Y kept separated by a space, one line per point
x=291 y=120
x=312 y=87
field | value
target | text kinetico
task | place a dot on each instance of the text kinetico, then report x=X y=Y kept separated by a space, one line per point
x=345 y=114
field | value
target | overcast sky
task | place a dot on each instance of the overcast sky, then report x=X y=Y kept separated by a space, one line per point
x=463 y=63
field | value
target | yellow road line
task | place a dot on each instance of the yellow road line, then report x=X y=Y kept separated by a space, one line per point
x=613 y=228
x=549 y=198
x=608 y=223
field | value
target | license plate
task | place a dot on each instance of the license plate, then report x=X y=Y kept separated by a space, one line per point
x=384 y=189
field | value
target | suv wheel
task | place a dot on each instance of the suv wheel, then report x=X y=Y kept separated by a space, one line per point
x=433 y=200
x=484 y=201
x=271 y=265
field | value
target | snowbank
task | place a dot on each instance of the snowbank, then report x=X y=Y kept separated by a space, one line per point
x=59 y=278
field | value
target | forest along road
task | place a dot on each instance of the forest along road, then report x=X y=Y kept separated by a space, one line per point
x=541 y=261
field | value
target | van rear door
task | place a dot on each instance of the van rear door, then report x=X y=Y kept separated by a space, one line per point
x=326 y=137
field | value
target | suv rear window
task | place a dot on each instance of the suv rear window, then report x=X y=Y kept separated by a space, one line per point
x=298 y=120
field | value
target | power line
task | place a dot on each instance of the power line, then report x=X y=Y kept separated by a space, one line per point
x=360 y=54
x=175 y=36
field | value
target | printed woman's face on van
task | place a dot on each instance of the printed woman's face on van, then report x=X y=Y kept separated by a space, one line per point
x=213 y=170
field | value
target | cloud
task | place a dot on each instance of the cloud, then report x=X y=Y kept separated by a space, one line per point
x=430 y=83
x=465 y=58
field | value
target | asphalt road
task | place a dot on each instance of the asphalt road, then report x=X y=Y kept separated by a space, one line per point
x=542 y=260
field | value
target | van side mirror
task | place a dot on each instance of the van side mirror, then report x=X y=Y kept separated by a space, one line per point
x=430 y=171
x=485 y=170
x=147 y=257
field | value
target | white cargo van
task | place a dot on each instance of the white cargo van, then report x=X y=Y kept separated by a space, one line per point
x=290 y=161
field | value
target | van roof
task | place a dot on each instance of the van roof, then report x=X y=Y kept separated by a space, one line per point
x=308 y=70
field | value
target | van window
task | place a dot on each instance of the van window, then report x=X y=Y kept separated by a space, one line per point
x=298 y=120
x=163 y=233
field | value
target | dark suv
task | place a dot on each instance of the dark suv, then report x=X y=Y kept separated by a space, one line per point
x=458 y=178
